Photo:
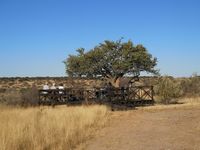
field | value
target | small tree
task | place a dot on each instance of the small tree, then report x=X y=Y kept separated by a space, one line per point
x=168 y=89
x=111 y=60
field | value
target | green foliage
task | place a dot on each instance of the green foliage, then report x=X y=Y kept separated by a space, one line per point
x=168 y=89
x=111 y=60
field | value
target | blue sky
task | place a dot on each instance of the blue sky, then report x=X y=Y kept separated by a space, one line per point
x=37 y=35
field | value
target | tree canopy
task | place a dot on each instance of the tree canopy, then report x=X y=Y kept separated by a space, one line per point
x=111 y=60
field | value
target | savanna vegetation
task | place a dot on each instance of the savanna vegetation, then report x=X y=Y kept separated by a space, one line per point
x=65 y=127
x=49 y=128
x=170 y=90
x=167 y=90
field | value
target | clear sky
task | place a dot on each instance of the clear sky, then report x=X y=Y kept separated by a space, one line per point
x=37 y=35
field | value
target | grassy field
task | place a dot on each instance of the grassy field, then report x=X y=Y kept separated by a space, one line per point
x=62 y=127
x=43 y=128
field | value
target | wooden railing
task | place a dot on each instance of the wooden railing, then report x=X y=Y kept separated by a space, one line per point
x=137 y=94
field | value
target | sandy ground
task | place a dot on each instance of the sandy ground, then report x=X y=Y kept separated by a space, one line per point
x=154 y=128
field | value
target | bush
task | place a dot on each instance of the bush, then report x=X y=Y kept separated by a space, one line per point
x=30 y=97
x=11 y=97
x=25 y=97
x=168 y=89
x=191 y=86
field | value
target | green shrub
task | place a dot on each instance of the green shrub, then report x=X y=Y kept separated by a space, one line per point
x=168 y=89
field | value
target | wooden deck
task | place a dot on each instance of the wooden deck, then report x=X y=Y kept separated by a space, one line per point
x=137 y=95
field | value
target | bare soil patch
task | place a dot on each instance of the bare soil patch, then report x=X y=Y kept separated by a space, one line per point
x=170 y=128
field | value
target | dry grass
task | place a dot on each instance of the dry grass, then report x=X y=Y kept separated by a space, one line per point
x=49 y=128
x=182 y=103
x=190 y=100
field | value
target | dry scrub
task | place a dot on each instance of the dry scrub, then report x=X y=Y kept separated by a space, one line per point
x=183 y=103
x=49 y=128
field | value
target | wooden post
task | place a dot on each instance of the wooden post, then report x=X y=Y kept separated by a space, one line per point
x=86 y=94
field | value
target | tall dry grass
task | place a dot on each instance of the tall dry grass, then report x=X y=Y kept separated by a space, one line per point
x=190 y=100
x=184 y=103
x=45 y=128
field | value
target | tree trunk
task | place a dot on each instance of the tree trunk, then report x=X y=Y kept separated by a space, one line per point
x=115 y=81
x=120 y=81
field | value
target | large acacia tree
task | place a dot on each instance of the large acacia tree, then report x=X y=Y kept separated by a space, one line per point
x=111 y=60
